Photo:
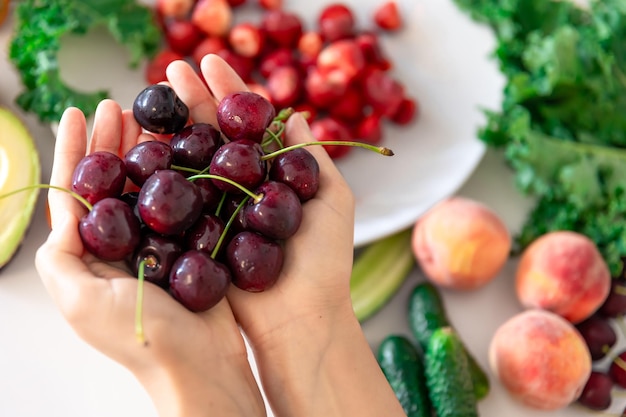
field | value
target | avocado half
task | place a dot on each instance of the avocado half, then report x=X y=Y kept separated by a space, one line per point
x=20 y=167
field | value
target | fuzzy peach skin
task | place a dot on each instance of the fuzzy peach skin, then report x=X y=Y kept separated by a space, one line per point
x=461 y=243
x=540 y=359
x=563 y=272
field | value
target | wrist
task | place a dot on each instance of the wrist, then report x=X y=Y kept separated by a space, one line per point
x=224 y=387
x=324 y=365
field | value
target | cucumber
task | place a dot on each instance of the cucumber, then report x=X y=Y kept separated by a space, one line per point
x=403 y=365
x=448 y=378
x=427 y=314
x=378 y=271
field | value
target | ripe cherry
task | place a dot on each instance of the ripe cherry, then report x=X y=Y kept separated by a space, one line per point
x=615 y=304
x=195 y=145
x=598 y=334
x=299 y=169
x=110 y=231
x=617 y=369
x=168 y=203
x=596 y=394
x=205 y=233
x=99 y=175
x=277 y=214
x=159 y=253
x=158 y=109
x=240 y=161
x=145 y=158
x=255 y=261
x=245 y=115
x=197 y=281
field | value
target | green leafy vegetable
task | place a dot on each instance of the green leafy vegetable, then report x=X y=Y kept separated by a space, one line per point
x=40 y=25
x=562 y=124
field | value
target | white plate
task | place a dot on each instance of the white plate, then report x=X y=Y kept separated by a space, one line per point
x=442 y=58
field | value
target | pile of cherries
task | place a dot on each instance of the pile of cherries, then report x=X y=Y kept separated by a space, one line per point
x=210 y=207
x=599 y=332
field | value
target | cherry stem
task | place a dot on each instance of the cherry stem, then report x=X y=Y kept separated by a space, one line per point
x=77 y=196
x=139 y=333
x=221 y=203
x=274 y=136
x=378 y=149
x=186 y=169
x=231 y=220
x=255 y=197
x=284 y=114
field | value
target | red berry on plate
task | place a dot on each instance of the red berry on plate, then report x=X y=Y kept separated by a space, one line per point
x=213 y=17
x=335 y=22
x=182 y=36
x=387 y=16
x=329 y=129
x=154 y=72
x=406 y=113
x=246 y=39
x=370 y=129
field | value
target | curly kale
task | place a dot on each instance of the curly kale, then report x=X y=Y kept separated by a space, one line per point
x=562 y=123
x=34 y=47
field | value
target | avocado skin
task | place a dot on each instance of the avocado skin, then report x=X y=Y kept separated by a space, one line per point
x=17 y=210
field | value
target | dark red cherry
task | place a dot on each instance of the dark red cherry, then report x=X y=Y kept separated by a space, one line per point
x=239 y=161
x=598 y=334
x=596 y=394
x=145 y=158
x=99 y=175
x=617 y=369
x=197 y=281
x=110 y=231
x=159 y=253
x=245 y=115
x=194 y=146
x=158 y=109
x=277 y=214
x=205 y=233
x=211 y=195
x=168 y=203
x=299 y=169
x=254 y=260
x=615 y=304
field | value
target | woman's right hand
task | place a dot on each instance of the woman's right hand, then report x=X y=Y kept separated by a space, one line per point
x=312 y=355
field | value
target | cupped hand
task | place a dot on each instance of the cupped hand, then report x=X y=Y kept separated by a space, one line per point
x=318 y=259
x=188 y=358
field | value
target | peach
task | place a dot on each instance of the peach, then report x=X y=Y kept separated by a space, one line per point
x=565 y=273
x=540 y=359
x=461 y=243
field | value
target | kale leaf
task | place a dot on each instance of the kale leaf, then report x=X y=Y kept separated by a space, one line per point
x=34 y=47
x=562 y=123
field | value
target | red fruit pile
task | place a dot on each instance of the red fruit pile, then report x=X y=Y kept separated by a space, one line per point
x=213 y=205
x=336 y=71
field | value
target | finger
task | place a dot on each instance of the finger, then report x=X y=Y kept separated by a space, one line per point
x=69 y=149
x=220 y=77
x=192 y=91
x=66 y=277
x=131 y=130
x=107 y=128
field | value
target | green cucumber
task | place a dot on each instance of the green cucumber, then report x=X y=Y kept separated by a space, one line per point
x=403 y=365
x=448 y=378
x=427 y=314
x=379 y=271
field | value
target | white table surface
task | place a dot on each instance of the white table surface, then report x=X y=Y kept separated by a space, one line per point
x=46 y=370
